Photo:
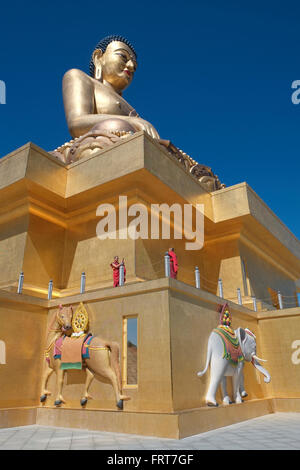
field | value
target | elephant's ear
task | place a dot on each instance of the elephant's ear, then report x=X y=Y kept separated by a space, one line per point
x=241 y=334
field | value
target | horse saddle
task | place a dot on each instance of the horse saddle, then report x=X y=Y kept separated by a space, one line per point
x=72 y=350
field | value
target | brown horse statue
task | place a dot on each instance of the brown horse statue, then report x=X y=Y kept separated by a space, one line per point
x=103 y=360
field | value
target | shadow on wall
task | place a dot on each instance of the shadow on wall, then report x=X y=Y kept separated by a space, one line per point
x=2 y=352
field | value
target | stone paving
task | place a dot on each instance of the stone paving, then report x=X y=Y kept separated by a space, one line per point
x=278 y=431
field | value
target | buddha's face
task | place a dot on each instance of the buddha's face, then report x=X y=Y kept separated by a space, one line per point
x=118 y=64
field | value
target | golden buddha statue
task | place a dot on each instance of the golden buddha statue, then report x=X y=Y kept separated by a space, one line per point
x=98 y=116
x=95 y=102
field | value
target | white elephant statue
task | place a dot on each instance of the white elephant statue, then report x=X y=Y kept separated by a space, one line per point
x=222 y=365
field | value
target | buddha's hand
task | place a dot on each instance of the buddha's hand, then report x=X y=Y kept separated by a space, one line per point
x=142 y=125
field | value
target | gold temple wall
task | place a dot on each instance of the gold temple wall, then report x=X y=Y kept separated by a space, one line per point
x=279 y=332
x=22 y=329
x=154 y=375
x=192 y=318
x=84 y=252
x=174 y=323
x=265 y=275
x=221 y=261
x=44 y=253
x=13 y=237
x=178 y=316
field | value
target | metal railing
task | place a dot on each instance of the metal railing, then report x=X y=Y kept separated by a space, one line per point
x=192 y=277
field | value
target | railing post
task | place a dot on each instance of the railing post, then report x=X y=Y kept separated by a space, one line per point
x=220 y=285
x=254 y=304
x=50 y=288
x=20 y=285
x=239 y=296
x=121 y=275
x=82 y=283
x=280 y=300
x=197 y=277
x=167 y=265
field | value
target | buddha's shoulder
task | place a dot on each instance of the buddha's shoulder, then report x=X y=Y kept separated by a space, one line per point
x=77 y=75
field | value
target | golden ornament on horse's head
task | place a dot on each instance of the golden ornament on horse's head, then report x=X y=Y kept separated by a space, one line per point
x=80 y=319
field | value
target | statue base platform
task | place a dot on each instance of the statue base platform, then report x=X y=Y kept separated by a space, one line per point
x=176 y=425
x=169 y=399
x=48 y=220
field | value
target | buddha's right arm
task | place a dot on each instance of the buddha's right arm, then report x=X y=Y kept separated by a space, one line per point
x=79 y=103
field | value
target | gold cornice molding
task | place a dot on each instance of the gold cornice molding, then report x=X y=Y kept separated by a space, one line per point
x=14 y=212
x=222 y=238
x=241 y=201
x=23 y=299
x=270 y=258
x=274 y=314
x=48 y=214
x=103 y=294
x=163 y=284
x=13 y=204
x=39 y=205
x=255 y=244
x=262 y=202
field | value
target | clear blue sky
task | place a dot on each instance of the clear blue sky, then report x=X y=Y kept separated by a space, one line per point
x=214 y=77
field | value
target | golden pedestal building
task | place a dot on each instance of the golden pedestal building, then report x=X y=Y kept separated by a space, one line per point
x=48 y=226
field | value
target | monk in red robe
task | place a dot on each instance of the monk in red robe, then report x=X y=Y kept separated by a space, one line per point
x=173 y=263
x=116 y=271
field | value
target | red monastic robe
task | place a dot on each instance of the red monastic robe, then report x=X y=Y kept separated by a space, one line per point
x=116 y=273
x=173 y=264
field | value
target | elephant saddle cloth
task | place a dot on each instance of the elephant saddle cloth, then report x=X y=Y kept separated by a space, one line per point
x=71 y=350
x=232 y=348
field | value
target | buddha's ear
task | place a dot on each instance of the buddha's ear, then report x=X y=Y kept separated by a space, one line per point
x=97 y=54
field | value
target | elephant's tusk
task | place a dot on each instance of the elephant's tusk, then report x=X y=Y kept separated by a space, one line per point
x=258 y=359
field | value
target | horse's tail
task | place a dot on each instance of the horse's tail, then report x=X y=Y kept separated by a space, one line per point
x=208 y=358
x=115 y=360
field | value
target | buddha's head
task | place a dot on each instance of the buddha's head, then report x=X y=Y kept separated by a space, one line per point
x=114 y=60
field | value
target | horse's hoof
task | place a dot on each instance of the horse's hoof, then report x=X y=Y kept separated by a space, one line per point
x=120 y=404
x=212 y=404
x=43 y=398
x=83 y=401
x=58 y=402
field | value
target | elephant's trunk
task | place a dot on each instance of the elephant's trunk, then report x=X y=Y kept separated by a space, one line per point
x=261 y=369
